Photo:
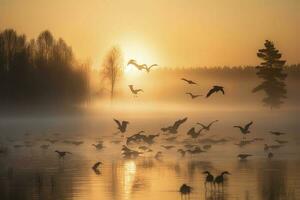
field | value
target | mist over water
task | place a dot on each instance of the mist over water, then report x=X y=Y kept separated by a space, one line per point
x=30 y=172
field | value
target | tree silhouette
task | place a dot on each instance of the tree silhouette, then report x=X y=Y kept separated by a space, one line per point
x=40 y=71
x=271 y=71
x=112 y=68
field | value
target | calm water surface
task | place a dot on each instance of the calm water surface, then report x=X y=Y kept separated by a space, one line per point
x=30 y=172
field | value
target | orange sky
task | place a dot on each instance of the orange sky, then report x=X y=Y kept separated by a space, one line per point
x=167 y=32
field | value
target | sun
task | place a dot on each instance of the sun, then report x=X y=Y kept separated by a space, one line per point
x=138 y=52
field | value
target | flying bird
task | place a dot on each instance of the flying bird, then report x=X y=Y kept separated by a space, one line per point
x=207 y=127
x=96 y=165
x=245 y=130
x=122 y=126
x=98 y=146
x=281 y=141
x=244 y=156
x=196 y=150
x=215 y=89
x=193 y=96
x=134 y=63
x=189 y=81
x=62 y=154
x=173 y=129
x=135 y=91
x=193 y=133
x=277 y=133
x=167 y=147
x=148 y=68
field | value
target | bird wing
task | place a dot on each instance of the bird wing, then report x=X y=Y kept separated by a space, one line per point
x=210 y=92
x=132 y=61
x=139 y=67
x=118 y=123
x=189 y=94
x=222 y=90
x=248 y=125
x=179 y=122
x=241 y=128
x=131 y=88
x=185 y=80
x=154 y=65
x=203 y=126
x=212 y=122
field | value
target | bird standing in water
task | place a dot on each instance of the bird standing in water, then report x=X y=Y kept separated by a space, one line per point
x=209 y=178
x=185 y=190
x=220 y=179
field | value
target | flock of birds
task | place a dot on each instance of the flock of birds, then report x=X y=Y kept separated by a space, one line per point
x=140 y=143
x=135 y=92
x=171 y=134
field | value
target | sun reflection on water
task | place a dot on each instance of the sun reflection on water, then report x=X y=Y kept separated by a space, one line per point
x=129 y=176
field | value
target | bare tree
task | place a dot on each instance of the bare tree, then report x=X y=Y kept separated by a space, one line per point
x=113 y=68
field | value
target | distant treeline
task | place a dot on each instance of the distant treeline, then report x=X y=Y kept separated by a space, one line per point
x=224 y=71
x=39 y=71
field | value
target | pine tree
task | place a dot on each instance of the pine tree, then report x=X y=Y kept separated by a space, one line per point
x=271 y=71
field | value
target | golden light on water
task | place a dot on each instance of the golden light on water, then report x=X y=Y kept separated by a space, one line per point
x=129 y=176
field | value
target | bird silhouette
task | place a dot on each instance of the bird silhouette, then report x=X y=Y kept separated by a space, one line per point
x=173 y=129
x=98 y=146
x=189 y=81
x=185 y=190
x=158 y=155
x=215 y=89
x=193 y=133
x=135 y=137
x=62 y=154
x=148 y=68
x=209 y=178
x=207 y=127
x=51 y=141
x=182 y=152
x=281 y=141
x=277 y=133
x=220 y=179
x=243 y=156
x=193 y=96
x=267 y=147
x=122 y=125
x=245 y=130
x=129 y=153
x=168 y=146
x=134 y=63
x=207 y=146
x=135 y=91
x=96 y=165
x=196 y=150
x=270 y=155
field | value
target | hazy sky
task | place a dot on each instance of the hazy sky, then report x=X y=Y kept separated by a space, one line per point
x=167 y=32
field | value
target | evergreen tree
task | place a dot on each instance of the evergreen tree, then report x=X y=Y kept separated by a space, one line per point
x=271 y=71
